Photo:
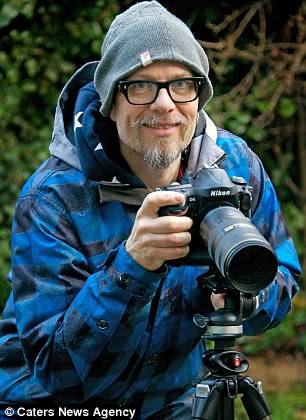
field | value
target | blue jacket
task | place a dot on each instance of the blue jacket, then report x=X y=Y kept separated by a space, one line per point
x=84 y=322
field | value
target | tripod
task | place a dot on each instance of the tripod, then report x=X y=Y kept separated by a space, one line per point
x=216 y=392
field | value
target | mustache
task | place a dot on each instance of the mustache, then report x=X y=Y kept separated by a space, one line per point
x=157 y=121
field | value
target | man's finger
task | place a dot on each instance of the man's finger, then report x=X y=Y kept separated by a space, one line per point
x=157 y=199
x=170 y=224
x=168 y=240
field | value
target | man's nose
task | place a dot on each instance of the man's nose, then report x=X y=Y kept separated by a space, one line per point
x=163 y=102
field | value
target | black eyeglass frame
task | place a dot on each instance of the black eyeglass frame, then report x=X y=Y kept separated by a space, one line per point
x=123 y=85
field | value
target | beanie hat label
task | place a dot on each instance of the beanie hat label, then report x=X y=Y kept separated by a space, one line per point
x=146 y=58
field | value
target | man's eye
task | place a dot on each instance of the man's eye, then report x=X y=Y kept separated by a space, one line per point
x=140 y=86
x=182 y=84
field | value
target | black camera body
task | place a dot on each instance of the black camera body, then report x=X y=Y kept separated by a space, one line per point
x=217 y=190
x=222 y=232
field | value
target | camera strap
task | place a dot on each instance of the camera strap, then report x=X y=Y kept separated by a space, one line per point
x=132 y=196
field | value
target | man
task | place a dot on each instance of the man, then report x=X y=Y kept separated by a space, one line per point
x=97 y=314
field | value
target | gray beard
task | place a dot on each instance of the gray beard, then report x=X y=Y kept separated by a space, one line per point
x=157 y=159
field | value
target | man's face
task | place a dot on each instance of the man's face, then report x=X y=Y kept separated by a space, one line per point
x=157 y=132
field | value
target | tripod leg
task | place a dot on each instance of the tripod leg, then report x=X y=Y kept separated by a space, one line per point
x=213 y=401
x=229 y=393
x=226 y=409
x=253 y=399
x=206 y=402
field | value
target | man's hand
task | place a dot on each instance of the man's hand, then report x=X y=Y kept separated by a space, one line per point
x=155 y=239
x=217 y=299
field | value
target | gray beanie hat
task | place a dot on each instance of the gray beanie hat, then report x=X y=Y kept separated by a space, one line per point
x=144 y=34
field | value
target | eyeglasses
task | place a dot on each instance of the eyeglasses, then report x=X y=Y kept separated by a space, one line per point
x=145 y=92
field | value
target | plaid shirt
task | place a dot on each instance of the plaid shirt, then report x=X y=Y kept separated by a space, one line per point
x=85 y=323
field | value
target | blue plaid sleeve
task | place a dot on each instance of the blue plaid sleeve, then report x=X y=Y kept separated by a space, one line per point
x=275 y=300
x=79 y=329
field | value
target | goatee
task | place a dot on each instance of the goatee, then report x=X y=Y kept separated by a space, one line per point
x=156 y=158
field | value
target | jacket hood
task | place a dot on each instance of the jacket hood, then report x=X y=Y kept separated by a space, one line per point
x=86 y=140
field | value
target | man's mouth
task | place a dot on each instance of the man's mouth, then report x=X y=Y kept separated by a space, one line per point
x=161 y=126
x=159 y=122
x=162 y=129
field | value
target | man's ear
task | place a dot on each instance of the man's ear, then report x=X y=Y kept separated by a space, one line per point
x=112 y=113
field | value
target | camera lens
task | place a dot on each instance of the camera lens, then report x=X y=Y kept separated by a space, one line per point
x=242 y=255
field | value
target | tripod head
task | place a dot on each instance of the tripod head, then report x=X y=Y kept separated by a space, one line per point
x=238 y=306
x=224 y=326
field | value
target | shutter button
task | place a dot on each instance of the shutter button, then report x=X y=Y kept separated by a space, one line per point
x=102 y=324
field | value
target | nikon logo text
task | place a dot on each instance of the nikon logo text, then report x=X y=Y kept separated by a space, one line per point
x=218 y=193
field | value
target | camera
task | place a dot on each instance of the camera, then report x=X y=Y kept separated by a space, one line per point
x=222 y=232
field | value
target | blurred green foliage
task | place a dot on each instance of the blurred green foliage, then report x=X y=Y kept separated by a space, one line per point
x=43 y=42
x=288 y=404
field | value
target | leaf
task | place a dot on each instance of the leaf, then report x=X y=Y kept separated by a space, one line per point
x=287 y=107
x=7 y=14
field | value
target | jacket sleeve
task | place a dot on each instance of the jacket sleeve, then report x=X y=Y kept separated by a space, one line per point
x=275 y=299
x=79 y=330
